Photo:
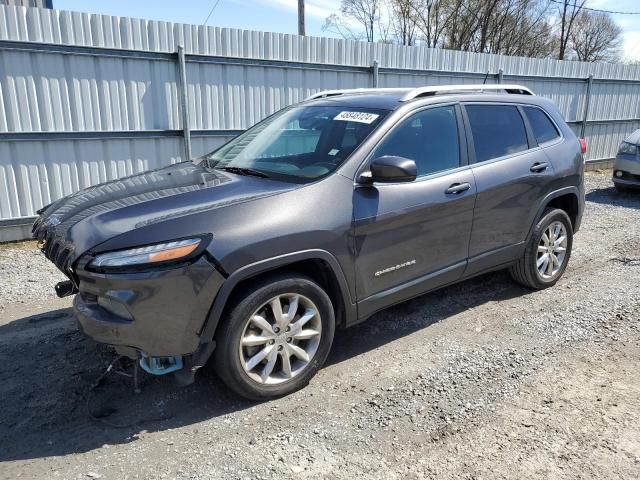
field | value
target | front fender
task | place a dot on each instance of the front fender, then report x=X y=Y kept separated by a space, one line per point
x=271 y=264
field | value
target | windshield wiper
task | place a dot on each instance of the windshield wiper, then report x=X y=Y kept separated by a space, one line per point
x=244 y=171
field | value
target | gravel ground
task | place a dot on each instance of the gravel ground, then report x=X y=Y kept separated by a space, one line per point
x=25 y=275
x=480 y=380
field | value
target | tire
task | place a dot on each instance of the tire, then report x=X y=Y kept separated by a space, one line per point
x=526 y=271
x=233 y=359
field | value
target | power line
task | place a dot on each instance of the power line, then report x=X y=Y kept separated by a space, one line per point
x=210 y=12
x=599 y=10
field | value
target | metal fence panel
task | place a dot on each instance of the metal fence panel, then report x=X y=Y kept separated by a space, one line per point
x=611 y=100
x=87 y=98
x=603 y=139
x=46 y=92
x=35 y=173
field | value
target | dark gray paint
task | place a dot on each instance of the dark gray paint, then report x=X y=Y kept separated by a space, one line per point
x=261 y=224
x=399 y=223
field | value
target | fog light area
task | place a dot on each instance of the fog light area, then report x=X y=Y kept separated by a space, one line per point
x=114 y=307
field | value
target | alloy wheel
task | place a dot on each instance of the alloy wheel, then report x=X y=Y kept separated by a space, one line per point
x=280 y=339
x=552 y=250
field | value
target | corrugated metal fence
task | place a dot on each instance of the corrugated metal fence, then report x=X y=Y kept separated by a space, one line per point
x=88 y=98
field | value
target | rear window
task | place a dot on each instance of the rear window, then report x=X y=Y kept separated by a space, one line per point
x=543 y=128
x=497 y=130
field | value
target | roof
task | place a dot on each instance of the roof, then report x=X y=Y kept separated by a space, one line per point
x=385 y=101
x=392 y=98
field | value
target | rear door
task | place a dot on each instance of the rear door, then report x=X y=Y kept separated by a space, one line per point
x=410 y=237
x=512 y=174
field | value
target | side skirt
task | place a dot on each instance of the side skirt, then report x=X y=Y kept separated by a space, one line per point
x=478 y=265
x=413 y=288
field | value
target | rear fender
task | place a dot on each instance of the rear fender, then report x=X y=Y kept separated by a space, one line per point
x=545 y=203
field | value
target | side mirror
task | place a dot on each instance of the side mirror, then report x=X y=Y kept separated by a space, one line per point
x=390 y=169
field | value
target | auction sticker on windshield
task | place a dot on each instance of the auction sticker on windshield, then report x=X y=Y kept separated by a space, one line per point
x=361 y=117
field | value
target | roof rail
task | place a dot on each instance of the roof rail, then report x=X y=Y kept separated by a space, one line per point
x=333 y=93
x=411 y=93
x=436 y=89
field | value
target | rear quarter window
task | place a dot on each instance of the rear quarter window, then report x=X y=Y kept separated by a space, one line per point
x=543 y=128
x=497 y=130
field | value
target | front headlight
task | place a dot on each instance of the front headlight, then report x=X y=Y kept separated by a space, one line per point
x=149 y=255
x=628 y=148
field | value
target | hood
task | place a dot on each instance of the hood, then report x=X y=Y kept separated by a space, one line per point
x=76 y=223
x=634 y=138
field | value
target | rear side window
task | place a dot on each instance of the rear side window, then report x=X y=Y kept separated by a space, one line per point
x=497 y=130
x=429 y=137
x=543 y=128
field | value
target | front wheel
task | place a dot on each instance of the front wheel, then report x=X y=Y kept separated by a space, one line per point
x=547 y=253
x=275 y=338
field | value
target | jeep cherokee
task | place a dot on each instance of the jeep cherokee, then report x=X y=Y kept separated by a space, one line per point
x=315 y=218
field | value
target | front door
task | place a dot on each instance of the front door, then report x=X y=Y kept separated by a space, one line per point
x=412 y=237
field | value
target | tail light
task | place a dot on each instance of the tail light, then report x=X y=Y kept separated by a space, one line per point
x=583 y=145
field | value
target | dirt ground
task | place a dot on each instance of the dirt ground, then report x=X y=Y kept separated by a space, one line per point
x=480 y=380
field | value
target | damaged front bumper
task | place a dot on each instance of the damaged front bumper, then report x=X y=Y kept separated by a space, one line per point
x=158 y=313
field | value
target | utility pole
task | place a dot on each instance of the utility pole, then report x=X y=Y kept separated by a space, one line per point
x=301 y=18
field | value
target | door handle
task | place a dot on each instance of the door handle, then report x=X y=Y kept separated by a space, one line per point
x=457 y=188
x=539 y=167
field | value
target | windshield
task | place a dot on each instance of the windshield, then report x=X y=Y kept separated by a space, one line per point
x=298 y=144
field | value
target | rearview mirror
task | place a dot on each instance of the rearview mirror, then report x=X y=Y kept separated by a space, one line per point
x=390 y=169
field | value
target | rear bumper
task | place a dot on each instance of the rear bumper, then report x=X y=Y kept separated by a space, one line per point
x=160 y=312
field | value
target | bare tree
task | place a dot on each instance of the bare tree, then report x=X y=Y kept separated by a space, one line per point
x=595 y=38
x=432 y=20
x=530 y=28
x=520 y=27
x=339 y=25
x=363 y=13
x=508 y=27
x=403 y=19
x=569 y=11
x=486 y=12
x=384 y=26
x=463 y=27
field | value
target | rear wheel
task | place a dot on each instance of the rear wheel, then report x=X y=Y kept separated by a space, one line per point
x=547 y=253
x=275 y=338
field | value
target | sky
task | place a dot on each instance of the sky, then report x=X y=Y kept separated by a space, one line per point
x=281 y=15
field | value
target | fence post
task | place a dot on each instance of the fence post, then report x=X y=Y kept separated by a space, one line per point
x=374 y=73
x=587 y=102
x=500 y=75
x=184 y=103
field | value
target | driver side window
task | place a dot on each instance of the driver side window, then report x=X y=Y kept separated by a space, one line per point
x=429 y=137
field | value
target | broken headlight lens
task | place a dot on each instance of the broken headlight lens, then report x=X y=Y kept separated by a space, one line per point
x=149 y=255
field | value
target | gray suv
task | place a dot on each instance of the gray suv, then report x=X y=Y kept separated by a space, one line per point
x=316 y=218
